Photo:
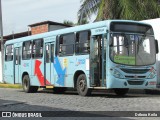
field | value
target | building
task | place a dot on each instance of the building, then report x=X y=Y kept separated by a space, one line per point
x=46 y=26
x=35 y=28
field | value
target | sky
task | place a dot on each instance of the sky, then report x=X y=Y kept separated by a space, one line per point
x=18 y=14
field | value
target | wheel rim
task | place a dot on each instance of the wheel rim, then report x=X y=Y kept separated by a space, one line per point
x=82 y=85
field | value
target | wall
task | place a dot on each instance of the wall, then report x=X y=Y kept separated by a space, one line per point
x=56 y=27
x=39 y=29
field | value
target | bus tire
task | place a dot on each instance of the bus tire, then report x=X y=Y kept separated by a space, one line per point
x=121 y=91
x=82 y=86
x=26 y=85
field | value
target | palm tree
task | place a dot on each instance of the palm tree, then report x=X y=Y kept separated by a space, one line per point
x=119 y=9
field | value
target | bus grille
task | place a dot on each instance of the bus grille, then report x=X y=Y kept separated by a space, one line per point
x=127 y=76
x=135 y=71
x=132 y=82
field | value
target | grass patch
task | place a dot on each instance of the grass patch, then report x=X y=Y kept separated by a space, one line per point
x=3 y=85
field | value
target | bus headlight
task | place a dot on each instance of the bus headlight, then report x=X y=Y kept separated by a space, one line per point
x=117 y=74
x=152 y=74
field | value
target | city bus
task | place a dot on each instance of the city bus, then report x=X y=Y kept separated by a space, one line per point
x=113 y=54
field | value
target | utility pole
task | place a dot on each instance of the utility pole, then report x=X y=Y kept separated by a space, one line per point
x=1 y=37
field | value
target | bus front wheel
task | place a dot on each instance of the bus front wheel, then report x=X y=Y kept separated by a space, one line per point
x=82 y=86
x=121 y=91
x=26 y=85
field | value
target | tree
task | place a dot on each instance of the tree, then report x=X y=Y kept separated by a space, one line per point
x=67 y=22
x=119 y=9
x=83 y=21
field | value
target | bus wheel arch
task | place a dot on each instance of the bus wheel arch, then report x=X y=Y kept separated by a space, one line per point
x=24 y=73
x=26 y=84
x=80 y=82
x=77 y=73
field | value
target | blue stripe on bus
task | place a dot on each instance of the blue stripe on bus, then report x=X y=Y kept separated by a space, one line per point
x=61 y=73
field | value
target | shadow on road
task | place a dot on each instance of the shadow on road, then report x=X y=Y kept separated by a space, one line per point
x=19 y=107
x=107 y=94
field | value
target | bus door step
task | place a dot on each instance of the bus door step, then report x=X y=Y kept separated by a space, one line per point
x=49 y=87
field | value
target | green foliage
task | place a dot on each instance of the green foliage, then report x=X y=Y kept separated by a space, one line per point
x=119 y=9
x=88 y=7
x=67 y=22
x=83 y=21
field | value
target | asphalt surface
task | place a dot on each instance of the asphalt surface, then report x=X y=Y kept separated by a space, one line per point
x=17 y=100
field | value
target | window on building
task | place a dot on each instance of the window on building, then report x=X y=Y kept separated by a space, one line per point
x=66 y=44
x=26 y=52
x=9 y=53
x=37 y=48
x=82 y=42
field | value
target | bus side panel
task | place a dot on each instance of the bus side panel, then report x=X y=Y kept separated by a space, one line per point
x=8 y=72
x=65 y=68
x=62 y=67
x=26 y=67
x=8 y=64
x=82 y=64
x=36 y=72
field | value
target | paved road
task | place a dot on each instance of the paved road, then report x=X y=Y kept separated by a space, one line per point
x=17 y=100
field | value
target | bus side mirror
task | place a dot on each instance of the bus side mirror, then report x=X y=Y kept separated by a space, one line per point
x=156 y=44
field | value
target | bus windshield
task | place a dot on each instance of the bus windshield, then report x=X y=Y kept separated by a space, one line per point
x=132 y=49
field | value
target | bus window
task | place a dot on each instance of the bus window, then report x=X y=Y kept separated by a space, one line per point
x=37 y=48
x=57 y=46
x=26 y=53
x=52 y=53
x=9 y=53
x=82 y=42
x=66 y=44
x=16 y=57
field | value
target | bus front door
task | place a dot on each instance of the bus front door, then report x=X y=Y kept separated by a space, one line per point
x=48 y=61
x=97 y=61
x=17 y=63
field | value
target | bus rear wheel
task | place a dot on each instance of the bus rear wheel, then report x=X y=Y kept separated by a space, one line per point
x=82 y=86
x=121 y=91
x=26 y=85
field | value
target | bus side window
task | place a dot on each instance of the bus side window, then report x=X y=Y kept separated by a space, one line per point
x=82 y=42
x=26 y=50
x=66 y=44
x=57 y=46
x=9 y=53
x=60 y=45
x=47 y=53
x=37 y=46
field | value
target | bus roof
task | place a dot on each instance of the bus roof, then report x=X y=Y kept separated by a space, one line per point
x=68 y=30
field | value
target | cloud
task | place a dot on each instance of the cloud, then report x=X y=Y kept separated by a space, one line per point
x=18 y=14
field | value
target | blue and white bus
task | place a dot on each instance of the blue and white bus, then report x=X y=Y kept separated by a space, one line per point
x=111 y=54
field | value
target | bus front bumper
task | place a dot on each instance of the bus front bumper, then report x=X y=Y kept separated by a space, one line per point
x=131 y=83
